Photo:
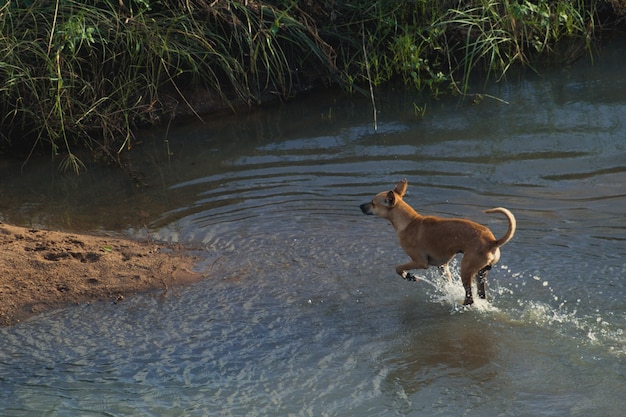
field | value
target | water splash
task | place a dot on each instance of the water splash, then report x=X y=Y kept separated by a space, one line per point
x=509 y=303
x=451 y=293
x=552 y=311
x=604 y=330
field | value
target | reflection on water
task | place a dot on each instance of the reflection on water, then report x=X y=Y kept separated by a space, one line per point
x=303 y=313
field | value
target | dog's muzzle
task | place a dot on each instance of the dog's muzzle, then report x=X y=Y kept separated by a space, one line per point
x=366 y=208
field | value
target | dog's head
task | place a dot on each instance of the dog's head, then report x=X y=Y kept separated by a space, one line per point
x=384 y=202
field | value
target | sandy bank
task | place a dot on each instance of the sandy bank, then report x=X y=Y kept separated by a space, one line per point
x=42 y=270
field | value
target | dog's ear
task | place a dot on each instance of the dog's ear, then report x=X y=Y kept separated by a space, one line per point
x=401 y=187
x=390 y=201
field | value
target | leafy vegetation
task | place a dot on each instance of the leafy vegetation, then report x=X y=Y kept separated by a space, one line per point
x=88 y=73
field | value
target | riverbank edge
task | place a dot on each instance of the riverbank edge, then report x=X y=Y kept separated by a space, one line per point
x=45 y=270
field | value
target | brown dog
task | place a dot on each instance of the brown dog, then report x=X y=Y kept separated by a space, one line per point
x=430 y=240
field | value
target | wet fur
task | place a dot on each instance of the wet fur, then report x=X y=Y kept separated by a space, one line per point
x=434 y=241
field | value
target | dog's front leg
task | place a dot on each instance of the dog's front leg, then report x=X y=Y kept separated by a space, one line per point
x=403 y=270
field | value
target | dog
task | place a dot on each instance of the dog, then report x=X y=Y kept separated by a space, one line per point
x=435 y=241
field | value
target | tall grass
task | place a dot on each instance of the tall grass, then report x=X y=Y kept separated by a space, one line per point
x=495 y=35
x=439 y=45
x=89 y=73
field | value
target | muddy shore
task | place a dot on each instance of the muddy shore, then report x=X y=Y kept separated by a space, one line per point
x=41 y=270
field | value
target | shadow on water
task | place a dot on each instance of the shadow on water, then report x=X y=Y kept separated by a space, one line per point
x=303 y=313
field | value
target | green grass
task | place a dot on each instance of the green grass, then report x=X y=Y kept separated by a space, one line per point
x=88 y=74
x=439 y=45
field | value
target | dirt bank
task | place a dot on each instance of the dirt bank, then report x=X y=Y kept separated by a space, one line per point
x=42 y=270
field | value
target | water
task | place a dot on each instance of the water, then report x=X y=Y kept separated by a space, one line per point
x=302 y=313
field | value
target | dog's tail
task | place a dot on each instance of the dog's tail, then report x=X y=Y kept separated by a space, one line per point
x=512 y=225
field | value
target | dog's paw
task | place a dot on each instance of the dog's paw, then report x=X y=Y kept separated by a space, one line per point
x=409 y=276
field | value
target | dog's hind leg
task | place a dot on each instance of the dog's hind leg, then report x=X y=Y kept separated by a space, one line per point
x=466 y=278
x=482 y=281
x=468 y=270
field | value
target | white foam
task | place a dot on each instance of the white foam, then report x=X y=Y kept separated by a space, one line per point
x=451 y=293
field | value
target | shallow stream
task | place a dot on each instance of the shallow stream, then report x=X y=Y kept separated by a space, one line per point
x=302 y=313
